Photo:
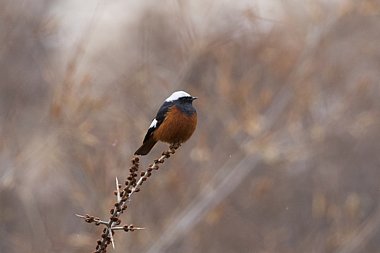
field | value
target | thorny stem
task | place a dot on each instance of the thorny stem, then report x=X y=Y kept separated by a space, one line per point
x=124 y=196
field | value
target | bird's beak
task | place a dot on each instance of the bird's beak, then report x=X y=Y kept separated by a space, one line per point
x=193 y=98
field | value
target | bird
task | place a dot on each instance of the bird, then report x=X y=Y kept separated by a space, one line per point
x=174 y=123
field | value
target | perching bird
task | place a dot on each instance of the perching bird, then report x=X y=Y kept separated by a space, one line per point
x=175 y=122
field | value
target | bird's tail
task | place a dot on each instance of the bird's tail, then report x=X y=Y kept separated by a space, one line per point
x=146 y=147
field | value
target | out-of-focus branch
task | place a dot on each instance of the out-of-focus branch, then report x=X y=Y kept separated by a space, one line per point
x=364 y=234
x=226 y=181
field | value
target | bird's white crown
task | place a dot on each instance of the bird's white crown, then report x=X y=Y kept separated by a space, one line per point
x=176 y=95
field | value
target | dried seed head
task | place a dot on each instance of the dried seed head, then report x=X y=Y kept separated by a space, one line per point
x=135 y=159
x=89 y=219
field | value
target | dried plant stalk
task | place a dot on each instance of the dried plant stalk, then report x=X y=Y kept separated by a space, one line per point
x=123 y=196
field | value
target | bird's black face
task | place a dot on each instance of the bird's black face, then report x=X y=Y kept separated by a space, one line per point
x=185 y=100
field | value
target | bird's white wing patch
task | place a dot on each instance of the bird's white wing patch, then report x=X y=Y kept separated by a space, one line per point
x=176 y=95
x=153 y=124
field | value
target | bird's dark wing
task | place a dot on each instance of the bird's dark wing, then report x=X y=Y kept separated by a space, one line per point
x=157 y=121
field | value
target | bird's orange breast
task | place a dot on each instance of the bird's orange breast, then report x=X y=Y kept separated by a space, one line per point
x=177 y=126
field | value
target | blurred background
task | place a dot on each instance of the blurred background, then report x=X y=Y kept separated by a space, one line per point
x=285 y=157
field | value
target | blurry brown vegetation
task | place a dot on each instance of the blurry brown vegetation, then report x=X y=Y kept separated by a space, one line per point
x=288 y=115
